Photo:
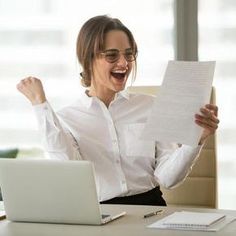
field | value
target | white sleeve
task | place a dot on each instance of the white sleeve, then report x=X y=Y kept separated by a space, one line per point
x=174 y=163
x=57 y=140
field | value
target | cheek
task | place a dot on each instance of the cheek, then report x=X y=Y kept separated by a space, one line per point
x=101 y=69
x=130 y=67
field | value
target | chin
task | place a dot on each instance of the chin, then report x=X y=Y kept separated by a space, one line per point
x=119 y=88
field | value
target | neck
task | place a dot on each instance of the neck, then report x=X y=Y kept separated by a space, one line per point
x=106 y=96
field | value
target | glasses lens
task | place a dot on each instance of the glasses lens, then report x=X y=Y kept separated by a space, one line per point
x=112 y=55
x=129 y=56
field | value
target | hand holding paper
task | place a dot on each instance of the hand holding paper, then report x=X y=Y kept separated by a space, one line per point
x=207 y=120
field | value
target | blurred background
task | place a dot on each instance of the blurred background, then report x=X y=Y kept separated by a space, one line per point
x=38 y=38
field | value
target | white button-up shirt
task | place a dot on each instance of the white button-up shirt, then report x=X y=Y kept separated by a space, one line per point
x=110 y=138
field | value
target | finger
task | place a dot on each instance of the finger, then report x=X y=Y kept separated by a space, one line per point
x=212 y=118
x=32 y=79
x=29 y=79
x=208 y=123
x=206 y=126
x=206 y=112
x=19 y=86
x=25 y=80
x=209 y=113
x=212 y=107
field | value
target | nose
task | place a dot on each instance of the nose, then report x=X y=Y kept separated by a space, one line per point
x=122 y=61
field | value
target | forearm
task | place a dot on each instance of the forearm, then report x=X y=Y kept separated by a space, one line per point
x=174 y=167
x=58 y=142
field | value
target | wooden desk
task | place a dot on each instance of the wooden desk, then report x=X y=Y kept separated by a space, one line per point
x=133 y=224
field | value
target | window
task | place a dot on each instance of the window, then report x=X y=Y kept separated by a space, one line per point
x=217 y=37
x=37 y=38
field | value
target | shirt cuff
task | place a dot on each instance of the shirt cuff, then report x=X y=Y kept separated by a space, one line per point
x=41 y=106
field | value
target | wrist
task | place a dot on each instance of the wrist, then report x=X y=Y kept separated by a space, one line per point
x=202 y=141
x=38 y=100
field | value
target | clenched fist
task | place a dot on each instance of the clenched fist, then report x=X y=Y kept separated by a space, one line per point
x=32 y=88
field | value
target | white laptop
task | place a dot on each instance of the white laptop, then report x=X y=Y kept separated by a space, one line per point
x=51 y=191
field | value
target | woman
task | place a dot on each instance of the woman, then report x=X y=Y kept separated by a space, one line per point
x=104 y=123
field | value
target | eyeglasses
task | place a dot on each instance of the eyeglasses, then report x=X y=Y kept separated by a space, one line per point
x=113 y=55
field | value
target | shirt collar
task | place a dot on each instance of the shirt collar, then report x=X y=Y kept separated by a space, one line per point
x=87 y=100
x=125 y=94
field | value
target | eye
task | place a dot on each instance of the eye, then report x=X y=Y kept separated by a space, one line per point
x=111 y=55
x=129 y=55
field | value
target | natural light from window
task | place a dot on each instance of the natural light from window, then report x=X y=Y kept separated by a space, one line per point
x=217 y=37
x=37 y=38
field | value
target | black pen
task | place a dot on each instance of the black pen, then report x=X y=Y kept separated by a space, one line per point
x=153 y=213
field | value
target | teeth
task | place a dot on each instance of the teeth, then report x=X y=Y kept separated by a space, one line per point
x=120 y=72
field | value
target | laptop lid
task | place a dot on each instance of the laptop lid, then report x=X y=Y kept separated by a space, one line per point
x=50 y=191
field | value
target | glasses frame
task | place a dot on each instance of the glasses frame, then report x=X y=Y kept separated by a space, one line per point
x=119 y=52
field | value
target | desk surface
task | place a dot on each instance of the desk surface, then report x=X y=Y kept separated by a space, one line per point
x=133 y=224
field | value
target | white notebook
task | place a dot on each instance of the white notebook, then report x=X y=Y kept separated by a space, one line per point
x=192 y=219
x=185 y=220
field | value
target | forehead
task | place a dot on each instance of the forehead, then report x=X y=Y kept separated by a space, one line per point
x=116 y=39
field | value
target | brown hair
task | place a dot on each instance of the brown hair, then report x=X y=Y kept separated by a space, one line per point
x=90 y=41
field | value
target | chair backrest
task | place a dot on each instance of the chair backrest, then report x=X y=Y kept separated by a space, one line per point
x=200 y=187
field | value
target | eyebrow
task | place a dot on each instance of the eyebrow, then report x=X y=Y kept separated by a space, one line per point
x=115 y=49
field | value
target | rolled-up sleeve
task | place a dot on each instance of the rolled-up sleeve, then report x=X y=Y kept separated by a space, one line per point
x=57 y=140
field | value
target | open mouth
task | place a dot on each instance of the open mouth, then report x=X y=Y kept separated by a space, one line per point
x=118 y=75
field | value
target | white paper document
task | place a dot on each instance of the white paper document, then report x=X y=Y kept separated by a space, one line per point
x=185 y=89
x=200 y=221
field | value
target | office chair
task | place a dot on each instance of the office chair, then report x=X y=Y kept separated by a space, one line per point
x=200 y=187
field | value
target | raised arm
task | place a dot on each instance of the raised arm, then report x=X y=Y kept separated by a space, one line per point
x=57 y=140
